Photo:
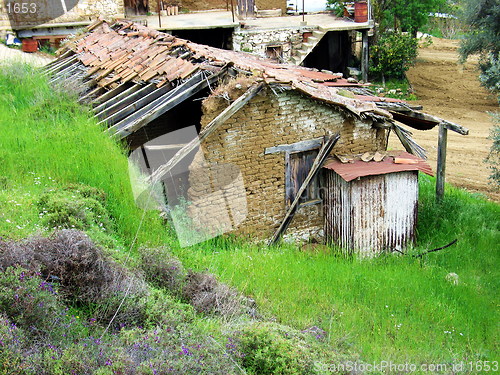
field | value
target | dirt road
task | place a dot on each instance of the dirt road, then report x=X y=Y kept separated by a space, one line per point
x=452 y=91
x=16 y=55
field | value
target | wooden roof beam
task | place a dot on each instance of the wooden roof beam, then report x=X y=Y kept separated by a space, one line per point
x=115 y=105
x=207 y=130
x=135 y=105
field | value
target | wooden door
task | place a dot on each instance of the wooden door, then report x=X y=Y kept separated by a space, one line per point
x=246 y=8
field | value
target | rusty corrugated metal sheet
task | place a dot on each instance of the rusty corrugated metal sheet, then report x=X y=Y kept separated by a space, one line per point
x=372 y=214
x=359 y=168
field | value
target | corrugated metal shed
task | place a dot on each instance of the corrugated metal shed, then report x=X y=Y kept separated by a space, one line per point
x=371 y=207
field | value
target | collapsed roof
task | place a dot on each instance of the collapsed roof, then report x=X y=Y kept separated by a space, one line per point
x=133 y=74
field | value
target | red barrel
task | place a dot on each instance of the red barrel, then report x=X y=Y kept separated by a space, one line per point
x=30 y=45
x=360 y=11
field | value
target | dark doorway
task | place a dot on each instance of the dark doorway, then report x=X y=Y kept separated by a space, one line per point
x=246 y=8
x=219 y=37
x=136 y=7
x=333 y=52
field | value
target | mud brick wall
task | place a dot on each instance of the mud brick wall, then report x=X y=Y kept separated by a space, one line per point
x=194 y=5
x=269 y=120
x=255 y=42
x=4 y=21
x=271 y=4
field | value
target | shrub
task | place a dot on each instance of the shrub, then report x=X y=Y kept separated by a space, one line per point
x=69 y=257
x=12 y=341
x=28 y=301
x=207 y=295
x=160 y=309
x=162 y=269
x=393 y=54
x=270 y=348
x=74 y=206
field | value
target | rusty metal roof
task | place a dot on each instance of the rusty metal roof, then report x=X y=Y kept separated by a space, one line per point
x=396 y=162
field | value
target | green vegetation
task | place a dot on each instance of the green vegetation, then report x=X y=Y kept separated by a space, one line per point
x=60 y=170
x=482 y=18
x=393 y=54
x=391 y=307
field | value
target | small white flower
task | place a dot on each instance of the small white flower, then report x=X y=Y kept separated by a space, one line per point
x=7 y=220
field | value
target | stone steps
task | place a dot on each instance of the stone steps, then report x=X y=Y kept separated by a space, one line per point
x=308 y=46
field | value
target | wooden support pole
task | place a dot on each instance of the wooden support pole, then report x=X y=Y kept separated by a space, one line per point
x=214 y=124
x=318 y=162
x=365 y=55
x=159 y=14
x=441 y=160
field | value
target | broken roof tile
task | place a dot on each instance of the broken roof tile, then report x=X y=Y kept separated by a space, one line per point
x=356 y=168
x=124 y=51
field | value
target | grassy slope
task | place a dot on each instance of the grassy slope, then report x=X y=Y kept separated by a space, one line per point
x=392 y=308
x=48 y=141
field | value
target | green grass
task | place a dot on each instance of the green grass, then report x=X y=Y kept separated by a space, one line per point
x=390 y=308
x=48 y=141
x=394 y=88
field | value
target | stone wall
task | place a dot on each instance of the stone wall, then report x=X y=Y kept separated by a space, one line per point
x=266 y=121
x=85 y=10
x=257 y=41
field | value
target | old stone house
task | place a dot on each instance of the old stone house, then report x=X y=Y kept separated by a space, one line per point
x=231 y=137
x=273 y=141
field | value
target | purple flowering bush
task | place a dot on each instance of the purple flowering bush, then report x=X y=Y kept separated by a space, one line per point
x=70 y=309
x=27 y=300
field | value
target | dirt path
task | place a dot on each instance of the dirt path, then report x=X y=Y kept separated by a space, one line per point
x=452 y=91
x=16 y=55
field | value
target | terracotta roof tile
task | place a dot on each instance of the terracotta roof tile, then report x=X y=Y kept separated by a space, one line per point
x=126 y=51
x=358 y=168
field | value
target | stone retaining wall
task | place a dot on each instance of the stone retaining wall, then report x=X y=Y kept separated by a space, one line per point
x=257 y=41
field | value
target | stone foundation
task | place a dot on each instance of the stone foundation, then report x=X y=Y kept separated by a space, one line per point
x=262 y=42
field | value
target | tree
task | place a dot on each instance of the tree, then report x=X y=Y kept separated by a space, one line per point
x=483 y=38
x=405 y=15
x=393 y=54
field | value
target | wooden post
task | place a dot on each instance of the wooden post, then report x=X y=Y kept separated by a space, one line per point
x=441 y=160
x=159 y=14
x=232 y=9
x=365 y=55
